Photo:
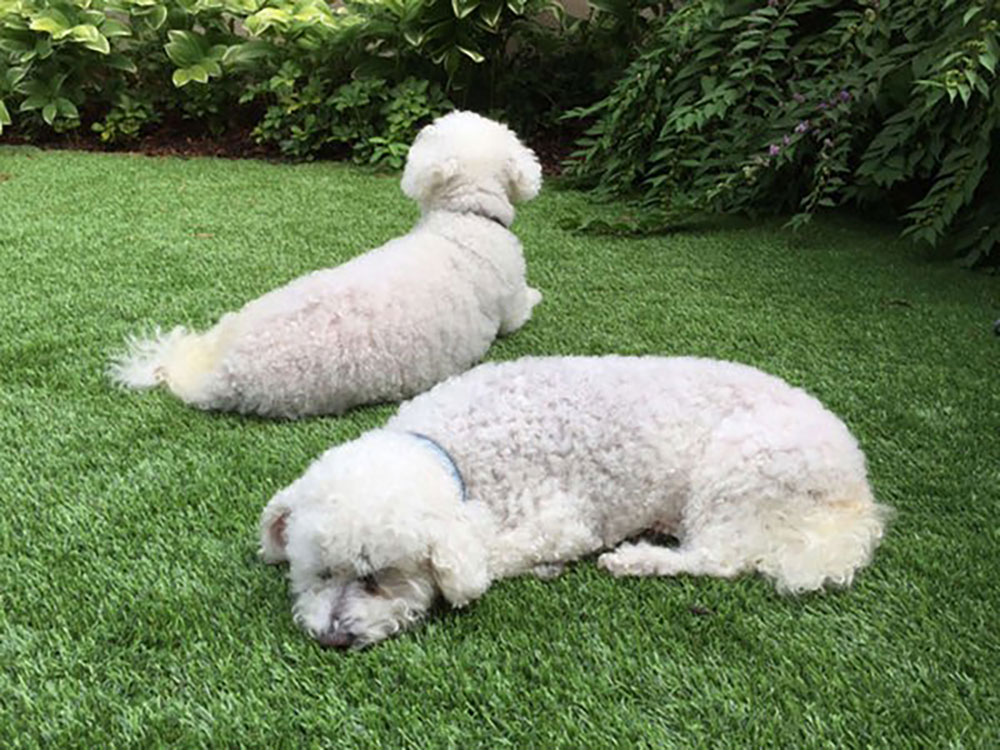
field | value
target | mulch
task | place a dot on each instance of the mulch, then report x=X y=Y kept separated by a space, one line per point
x=231 y=144
x=237 y=143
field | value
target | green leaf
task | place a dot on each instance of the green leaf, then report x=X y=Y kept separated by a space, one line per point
x=470 y=53
x=118 y=61
x=91 y=38
x=989 y=61
x=247 y=52
x=490 y=12
x=244 y=6
x=14 y=75
x=157 y=16
x=267 y=18
x=51 y=21
x=93 y=17
x=4 y=115
x=49 y=112
x=970 y=14
x=181 y=77
x=451 y=62
x=35 y=101
x=185 y=48
x=463 y=8
x=43 y=48
x=66 y=108
x=112 y=27
x=17 y=45
x=101 y=44
x=197 y=72
x=965 y=92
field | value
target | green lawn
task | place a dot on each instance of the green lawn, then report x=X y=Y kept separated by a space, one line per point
x=133 y=610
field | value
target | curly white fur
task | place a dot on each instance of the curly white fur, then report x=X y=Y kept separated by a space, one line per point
x=562 y=457
x=386 y=325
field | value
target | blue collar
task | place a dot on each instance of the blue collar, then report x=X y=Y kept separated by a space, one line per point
x=449 y=461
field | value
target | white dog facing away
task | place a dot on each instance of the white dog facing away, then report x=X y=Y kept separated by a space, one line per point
x=523 y=466
x=388 y=324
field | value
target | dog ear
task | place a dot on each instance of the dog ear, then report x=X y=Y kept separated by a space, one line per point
x=423 y=178
x=273 y=537
x=458 y=561
x=524 y=175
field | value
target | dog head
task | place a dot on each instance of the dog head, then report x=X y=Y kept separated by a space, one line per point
x=468 y=163
x=374 y=532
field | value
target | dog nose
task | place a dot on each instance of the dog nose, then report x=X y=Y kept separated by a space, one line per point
x=336 y=638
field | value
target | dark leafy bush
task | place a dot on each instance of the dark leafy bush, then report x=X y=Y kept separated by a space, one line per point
x=471 y=50
x=521 y=59
x=399 y=36
x=796 y=105
x=547 y=73
x=361 y=76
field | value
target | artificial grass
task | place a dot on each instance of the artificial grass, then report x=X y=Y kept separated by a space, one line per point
x=133 y=610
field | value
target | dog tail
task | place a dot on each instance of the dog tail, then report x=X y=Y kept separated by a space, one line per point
x=834 y=540
x=178 y=359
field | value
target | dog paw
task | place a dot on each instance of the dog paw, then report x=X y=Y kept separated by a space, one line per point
x=625 y=561
x=548 y=571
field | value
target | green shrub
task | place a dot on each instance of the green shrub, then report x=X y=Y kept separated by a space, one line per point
x=376 y=121
x=61 y=58
x=310 y=79
x=796 y=105
x=51 y=53
x=362 y=76
x=457 y=35
x=463 y=48
x=547 y=73
x=127 y=116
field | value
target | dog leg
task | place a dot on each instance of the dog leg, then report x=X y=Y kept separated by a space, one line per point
x=645 y=559
x=553 y=530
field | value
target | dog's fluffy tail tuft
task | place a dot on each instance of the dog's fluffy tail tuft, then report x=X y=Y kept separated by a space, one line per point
x=143 y=364
x=828 y=546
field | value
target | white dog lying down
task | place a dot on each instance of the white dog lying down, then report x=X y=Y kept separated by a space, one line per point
x=388 y=324
x=522 y=466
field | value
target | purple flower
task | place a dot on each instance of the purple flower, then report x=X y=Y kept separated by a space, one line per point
x=773 y=3
x=823 y=105
x=798 y=97
x=827 y=143
x=802 y=127
x=774 y=149
x=785 y=141
x=845 y=95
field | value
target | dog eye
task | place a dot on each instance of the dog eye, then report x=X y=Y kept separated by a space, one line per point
x=326 y=574
x=370 y=584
